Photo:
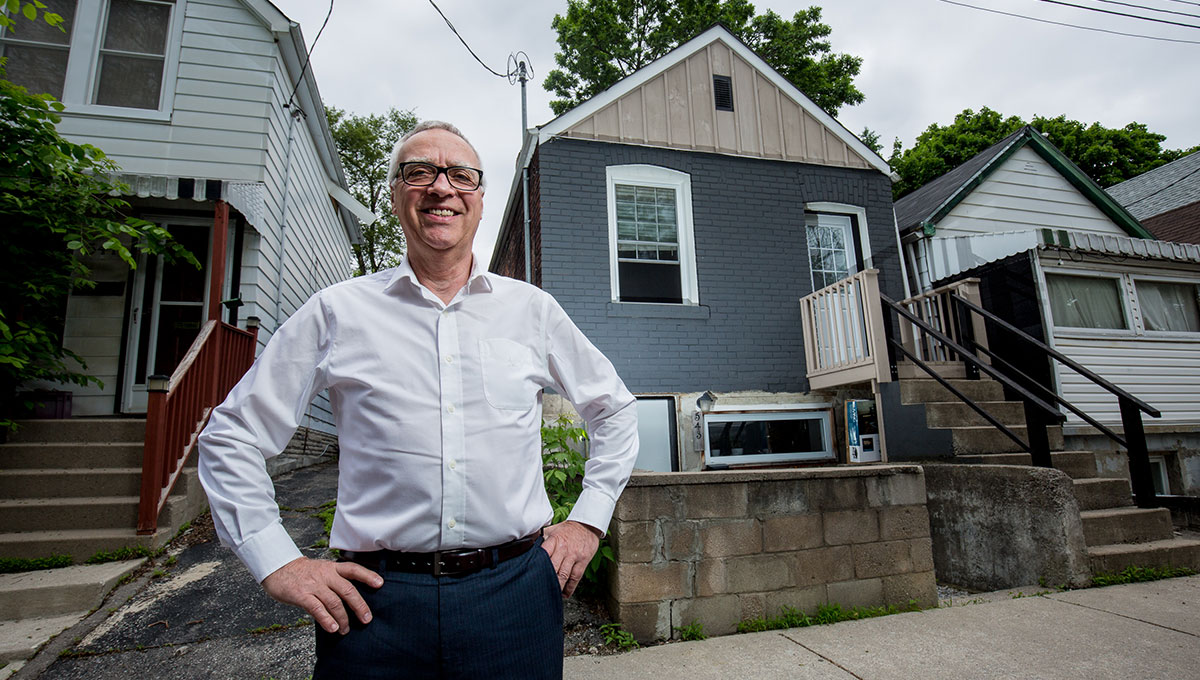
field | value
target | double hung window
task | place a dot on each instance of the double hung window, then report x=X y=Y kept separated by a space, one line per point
x=650 y=235
x=113 y=53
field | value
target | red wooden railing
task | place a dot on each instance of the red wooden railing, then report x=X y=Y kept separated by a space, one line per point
x=178 y=409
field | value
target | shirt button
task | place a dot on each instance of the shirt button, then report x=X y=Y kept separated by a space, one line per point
x=450 y=524
x=453 y=464
x=449 y=359
x=450 y=408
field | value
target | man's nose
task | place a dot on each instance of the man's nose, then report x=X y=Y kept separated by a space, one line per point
x=441 y=185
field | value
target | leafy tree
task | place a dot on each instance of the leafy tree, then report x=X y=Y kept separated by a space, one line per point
x=1108 y=155
x=602 y=41
x=59 y=208
x=29 y=10
x=364 y=145
x=871 y=139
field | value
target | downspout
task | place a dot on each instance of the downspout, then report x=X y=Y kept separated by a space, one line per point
x=903 y=257
x=525 y=204
x=283 y=208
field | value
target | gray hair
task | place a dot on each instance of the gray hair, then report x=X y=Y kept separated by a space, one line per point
x=394 y=163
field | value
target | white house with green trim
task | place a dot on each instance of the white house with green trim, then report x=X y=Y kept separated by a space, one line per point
x=1059 y=258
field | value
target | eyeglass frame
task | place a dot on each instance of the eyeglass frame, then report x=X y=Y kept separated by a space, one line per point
x=440 y=171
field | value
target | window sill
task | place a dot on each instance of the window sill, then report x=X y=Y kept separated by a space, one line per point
x=117 y=113
x=654 y=310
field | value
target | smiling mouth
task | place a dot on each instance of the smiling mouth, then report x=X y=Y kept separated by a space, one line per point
x=440 y=212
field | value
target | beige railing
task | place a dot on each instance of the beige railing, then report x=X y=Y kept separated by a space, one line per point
x=844 y=338
x=934 y=308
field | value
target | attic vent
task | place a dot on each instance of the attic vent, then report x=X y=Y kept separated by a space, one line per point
x=723 y=92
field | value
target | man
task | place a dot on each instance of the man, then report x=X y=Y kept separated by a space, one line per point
x=435 y=371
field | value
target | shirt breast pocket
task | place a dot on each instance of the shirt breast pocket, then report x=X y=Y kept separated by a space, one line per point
x=508 y=368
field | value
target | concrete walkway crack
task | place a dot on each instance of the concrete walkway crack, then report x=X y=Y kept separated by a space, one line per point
x=822 y=656
x=1124 y=616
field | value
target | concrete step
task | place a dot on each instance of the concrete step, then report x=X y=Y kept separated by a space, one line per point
x=98 y=512
x=20 y=640
x=1172 y=552
x=29 y=455
x=987 y=439
x=924 y=390
x=1126 y=525
x=65 y=483
x=1076 y=464
x=50 y=592
x=1098 y=493
x=80 y=430
x=957 y=413
x=80 y=544
x=946 y=369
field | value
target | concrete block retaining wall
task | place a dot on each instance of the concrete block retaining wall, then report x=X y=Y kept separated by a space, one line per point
x=722 y=546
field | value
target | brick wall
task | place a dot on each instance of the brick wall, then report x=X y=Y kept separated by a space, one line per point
x=751 y=260
x=721 y=547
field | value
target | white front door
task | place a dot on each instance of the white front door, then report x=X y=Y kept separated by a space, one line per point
x=169 y=303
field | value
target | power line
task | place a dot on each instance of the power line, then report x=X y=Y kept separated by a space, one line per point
x=464 y=42
x=1119 y=14
x=1149 y=9
x=308 y=55
x=1060 y=23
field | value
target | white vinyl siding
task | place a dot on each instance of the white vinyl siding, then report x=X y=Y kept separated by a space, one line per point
x=1161 y=368
x=1025 y=192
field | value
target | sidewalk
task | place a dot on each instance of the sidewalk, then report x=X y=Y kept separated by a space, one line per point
x=1142 y=630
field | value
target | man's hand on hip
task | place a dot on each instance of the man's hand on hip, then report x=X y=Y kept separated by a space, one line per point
x=320 y=587
x=570 y=546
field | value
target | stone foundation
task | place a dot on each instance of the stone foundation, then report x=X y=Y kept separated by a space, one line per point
x=719 y=547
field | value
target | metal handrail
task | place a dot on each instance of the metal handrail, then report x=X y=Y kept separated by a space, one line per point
x=178 y=411
x=1066 y=360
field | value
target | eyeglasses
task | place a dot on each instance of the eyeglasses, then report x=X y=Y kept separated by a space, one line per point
x=420 y=174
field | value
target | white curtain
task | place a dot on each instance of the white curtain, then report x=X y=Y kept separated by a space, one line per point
x=1168 y=306
x=1085 y=301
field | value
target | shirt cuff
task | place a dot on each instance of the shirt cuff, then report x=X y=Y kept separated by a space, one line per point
x=268 y=550
x=594 y=508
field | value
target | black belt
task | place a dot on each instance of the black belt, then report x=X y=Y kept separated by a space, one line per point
x=443 y=562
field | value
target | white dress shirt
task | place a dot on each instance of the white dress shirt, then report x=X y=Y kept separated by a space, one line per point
x=438 y=410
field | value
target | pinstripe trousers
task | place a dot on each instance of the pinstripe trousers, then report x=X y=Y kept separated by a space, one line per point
x=502 y=622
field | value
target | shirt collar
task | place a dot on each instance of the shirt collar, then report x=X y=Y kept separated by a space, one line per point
x=477 y=280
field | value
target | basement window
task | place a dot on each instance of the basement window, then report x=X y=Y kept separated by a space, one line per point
x=762 y=437
x=723 y=92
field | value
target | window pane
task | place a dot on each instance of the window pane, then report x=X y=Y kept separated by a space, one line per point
x=129 y=81
x=1168 y=306
x=649 y=282
x=1085 y=302
x=625 y=193
x=42 y=32
x=626 y=230
x=135 y=26
x=41 y=70
x=758 y=437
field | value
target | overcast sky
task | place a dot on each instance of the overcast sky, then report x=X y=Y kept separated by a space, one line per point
x=923 y=61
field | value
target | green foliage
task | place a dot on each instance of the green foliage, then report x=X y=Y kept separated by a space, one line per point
x=616 y=637
x=120 y=554
x=1140 y=575
x=325 y=513
x=692 y=631
x=790 y=617
x=58 y=197
x=364 y=145
x=602 y=41
x=30 y=10
x=562 y=469
x=871 y=139
x=1107 y=155
x=12 y=565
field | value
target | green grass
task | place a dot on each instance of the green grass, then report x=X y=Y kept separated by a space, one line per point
x=129 y=552
x=1140 y=575
x=790 y=617
x=692 y=631
x=12 y=565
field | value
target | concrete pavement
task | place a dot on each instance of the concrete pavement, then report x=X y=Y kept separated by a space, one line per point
x=1143 y=630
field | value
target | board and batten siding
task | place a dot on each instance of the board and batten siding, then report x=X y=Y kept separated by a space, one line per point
x=1025 y=192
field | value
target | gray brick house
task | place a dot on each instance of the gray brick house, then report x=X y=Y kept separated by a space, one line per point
x=679 y=217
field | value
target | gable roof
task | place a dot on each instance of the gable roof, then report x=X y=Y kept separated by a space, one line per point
x=1164 y=188
x=933 y=201
x=784 y=117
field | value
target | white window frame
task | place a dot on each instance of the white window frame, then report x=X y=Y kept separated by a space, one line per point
x=858 y=216
x=819 y=412
x=83 y=61
x=1130 y=303
x=655 y=176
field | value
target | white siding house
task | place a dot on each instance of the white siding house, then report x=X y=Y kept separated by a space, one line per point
x=1065 y=258
x=199 y=102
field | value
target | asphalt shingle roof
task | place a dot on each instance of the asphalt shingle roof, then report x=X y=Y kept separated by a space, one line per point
x=1164 y=188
